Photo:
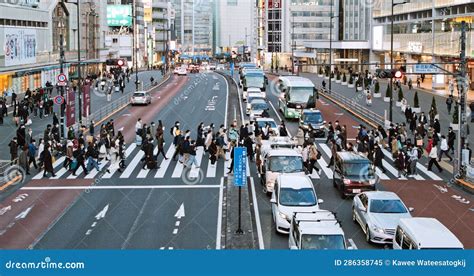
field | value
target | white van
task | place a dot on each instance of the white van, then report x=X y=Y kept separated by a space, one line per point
x=424 y=233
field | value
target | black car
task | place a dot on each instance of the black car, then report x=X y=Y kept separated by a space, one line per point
x=353 y=173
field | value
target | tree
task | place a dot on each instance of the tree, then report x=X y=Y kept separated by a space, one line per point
x=344 y=78
x=338 y=75
x=377 y=88
x=327 y=73
x=388 y=92
x=332 y=75
x=416 y=101
x=351 y=79
x=400 y=94
x=320 y=71
x=433 y=105
x=456 y=114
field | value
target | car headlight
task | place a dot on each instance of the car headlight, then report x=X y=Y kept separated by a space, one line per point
x=377 y=229
x=283 y=216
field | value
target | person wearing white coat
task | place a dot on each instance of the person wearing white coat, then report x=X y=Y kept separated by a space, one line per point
x=433 y=155
x=444 y=149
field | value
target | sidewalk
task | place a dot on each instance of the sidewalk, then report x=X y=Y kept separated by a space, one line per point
x=8 y=129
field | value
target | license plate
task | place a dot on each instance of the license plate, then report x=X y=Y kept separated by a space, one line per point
x=356 y=191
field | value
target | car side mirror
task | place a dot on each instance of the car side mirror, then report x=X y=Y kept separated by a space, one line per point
x=320 y=201
x=293 y=247
x=411 y=209
x=273 y=200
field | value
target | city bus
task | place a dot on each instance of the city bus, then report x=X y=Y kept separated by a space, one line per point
x=255 y=79
x=296 y=94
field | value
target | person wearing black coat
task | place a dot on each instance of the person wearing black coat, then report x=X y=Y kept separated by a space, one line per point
x=80 y=158
x=248 y=143
x=47 y=162
x=21 y=135
x=437 y=126
x=378 y=157
x=213 y=152
x=451 y=139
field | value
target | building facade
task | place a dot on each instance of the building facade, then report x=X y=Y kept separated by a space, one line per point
x=31 y=36
x=426 y=31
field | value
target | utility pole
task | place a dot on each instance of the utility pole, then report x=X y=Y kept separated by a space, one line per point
x=79 y=77
x=390 y=116
x=61 y=88
x=135 y=41
x=293 y=44
x=330 y=47
x=462 y=96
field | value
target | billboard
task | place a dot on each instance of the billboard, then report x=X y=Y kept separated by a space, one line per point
x=119 y=15
x=20 y=46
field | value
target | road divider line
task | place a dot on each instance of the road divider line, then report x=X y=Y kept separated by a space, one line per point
x=257 y=215
x=219 y=216
x=352 y=243
x=276 y=112
x=133 y=229
x=115 y=187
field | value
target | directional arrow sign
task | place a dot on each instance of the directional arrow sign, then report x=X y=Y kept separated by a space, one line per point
x=180 y=213
x=5 y=209
x=102 y=213
x=23 y=214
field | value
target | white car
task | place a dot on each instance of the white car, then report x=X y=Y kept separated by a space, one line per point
x=250 y=98
x=176 y=71
x=140 y=97
x=261 y=122
x=280 y=161
x=220 y=67
x=182 y=71
x=253 y=90
x=257 y=107
x=293 y=193
x=318 y=230
x=378 y=214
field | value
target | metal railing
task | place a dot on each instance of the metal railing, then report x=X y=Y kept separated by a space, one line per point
x=4 y=165
x=371 y=118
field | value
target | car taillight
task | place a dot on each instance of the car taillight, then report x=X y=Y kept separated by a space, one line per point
x=347 y=181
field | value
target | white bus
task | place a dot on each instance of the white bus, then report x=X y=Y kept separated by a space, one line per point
x=296 y=94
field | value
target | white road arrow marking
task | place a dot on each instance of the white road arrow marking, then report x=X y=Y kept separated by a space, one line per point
x=23 y=214
x=180 y=213
x=5 y=209
x=102 y=213
x=20 y=198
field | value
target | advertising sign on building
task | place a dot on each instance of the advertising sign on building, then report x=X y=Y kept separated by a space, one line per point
x=119 y=15
x=20 y=46
x=86 y=99
x=70 y=107
x=415 y=46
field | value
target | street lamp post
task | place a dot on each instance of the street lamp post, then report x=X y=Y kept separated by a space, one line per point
x=391 y=58
x=135 y=40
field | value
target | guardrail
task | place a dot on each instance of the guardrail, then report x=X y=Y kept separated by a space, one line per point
x=368 y=116
x=4 y=165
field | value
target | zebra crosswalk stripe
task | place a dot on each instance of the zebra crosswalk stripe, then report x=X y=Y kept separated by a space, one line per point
x=194 y=173
x=144 y=172
x=55 y=165
x=113 y=168
x=323 y=163
x=131 y=167
x=165 y=163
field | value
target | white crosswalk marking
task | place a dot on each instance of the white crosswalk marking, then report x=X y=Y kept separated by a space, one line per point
x=114 y=167
x=314 y=175
x=60 y=173
x=78 y=172
x=392 y=170
x=323 y=163
x=211 y=169
x=55 y=164
x=178 y=170
x=380 y=174
x=247 y=166
x=133 y=164
x=227 y=164
x=144 y=172
x=428 y=173
x=165 y=164
x=194 y=173
x=94 y=172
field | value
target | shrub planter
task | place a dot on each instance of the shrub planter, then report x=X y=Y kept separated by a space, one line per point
x=386 y=99
x=416 y=109
x=398 y=104
x=326 y=77
x=359 y=88
x=351 y=85
x=320 y=75
x=333 y=79
x=338 y=81
x=344 y=82
x=454 y=126
x=377 y=95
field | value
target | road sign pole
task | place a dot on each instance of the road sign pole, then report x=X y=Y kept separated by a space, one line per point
x=239 y=229
x=63 y=105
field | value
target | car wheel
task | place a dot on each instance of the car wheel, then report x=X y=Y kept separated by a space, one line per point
x=367 y=234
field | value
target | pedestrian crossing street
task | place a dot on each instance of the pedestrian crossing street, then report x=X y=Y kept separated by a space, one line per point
x=174 y=169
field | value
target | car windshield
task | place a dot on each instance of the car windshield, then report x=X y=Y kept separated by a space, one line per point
x=314 y=118
x=259 y=106
x=254 y=81
x=322 y=242
x=297 y=197
x=286 y=164
x=263 y=123
x=139 y=94
x=362 y=170
x=300 y=94
x=387 y=206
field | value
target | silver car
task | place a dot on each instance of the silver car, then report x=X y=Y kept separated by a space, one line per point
x=140 y=97
x=378 y=214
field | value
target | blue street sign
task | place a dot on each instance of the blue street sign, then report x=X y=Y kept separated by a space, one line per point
x=240 y=167
x=425 y=69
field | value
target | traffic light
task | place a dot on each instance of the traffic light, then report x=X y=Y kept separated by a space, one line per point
x=115 y=62
x=388 y=73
